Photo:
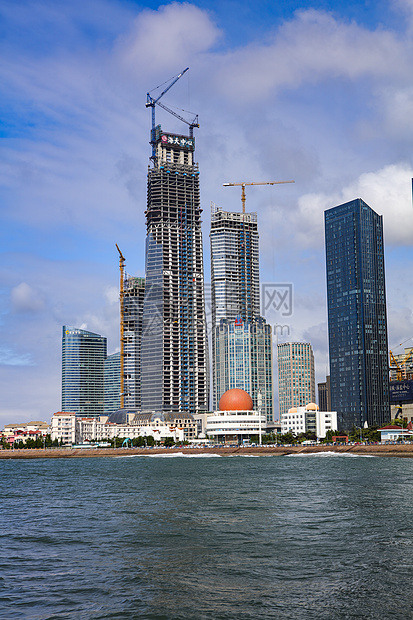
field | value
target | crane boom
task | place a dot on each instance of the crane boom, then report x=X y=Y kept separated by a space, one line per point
x=191 y=124
x=401 y=365
x=244 y=183
x=122 y=350
x=151 y=103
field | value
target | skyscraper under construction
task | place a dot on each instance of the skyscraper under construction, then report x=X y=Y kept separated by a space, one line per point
x=174 y=370
x=241 y=339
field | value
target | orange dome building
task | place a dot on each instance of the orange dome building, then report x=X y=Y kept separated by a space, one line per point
x=235 y=400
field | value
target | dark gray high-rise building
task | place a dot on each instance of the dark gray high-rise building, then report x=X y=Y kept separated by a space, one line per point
x=357 y=322
x=174 y=373
x=324 y=395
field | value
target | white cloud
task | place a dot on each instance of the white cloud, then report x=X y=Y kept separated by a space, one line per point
x=388 y=192
x=167 y=38
x=310 y=48
x=26 y=299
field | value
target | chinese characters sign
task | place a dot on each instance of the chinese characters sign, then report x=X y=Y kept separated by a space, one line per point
x=182 y=141
x=401 y=390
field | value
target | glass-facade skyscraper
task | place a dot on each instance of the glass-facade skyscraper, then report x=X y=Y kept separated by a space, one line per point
x=357 y=322
x=235 y=271
x=296 y=375
x=175 y=371
x=83 y=359
x=244 y=360
x=112 y=383
x=241 y=339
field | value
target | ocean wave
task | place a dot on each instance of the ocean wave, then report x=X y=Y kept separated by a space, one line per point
x=345 y=454
x=172 y=455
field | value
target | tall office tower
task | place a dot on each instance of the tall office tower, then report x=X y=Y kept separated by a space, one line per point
x=235 y=292
x=83 y=358
x=112 y=383
x=296 y=375
x=133 y=296
x=235 y=278
x=324 y=395
x=244 y=360
x=357 y=323
x=174 y=341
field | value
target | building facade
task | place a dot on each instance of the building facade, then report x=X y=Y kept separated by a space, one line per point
x=241 y=339
x=83 y=359
x=324 y=395
x=235 y=279
x=243 y=360
x=111 y=383
x=133 y=297
x=175 y=366
x=357 y=321
x=296 y=375
x=72 y=429
x=63 y=427
x=235 y=426
x=308 y=419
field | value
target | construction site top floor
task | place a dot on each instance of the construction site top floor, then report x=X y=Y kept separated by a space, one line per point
x=173 y=149
x=219 y=215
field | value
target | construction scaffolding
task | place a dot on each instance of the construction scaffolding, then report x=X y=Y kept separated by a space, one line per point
x=174 y=343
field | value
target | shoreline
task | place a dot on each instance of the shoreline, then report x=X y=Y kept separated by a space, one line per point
x=389 y=450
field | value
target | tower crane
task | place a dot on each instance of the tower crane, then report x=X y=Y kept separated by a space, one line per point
x=400 y=366
x=122 y=346
x=244 y=183
x=151 y=103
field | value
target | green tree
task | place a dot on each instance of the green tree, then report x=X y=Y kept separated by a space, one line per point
x=138 y=442
x=169 y=442
x=5 y=444
x=269 y=438
x=329 y=436
x=288 y=438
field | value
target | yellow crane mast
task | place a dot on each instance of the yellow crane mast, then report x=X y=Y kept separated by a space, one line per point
x=121 y=298
x=244 y=183
x=400 y=366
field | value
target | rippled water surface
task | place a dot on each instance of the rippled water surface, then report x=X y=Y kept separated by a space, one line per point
x=206 y=538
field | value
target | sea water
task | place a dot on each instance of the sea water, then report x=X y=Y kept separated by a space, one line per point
x=206 y=537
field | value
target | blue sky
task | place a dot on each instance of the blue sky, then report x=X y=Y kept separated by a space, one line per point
x=320 y=92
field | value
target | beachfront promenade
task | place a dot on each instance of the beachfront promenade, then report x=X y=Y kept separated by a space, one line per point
x=398 y=450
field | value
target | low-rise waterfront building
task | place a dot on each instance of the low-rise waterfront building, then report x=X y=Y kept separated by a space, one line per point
x=235 y=426
x=26 y=430
x=308 y=419
x=70 y=429
x=63 y=427
x=235 y=421
x=392 y=432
